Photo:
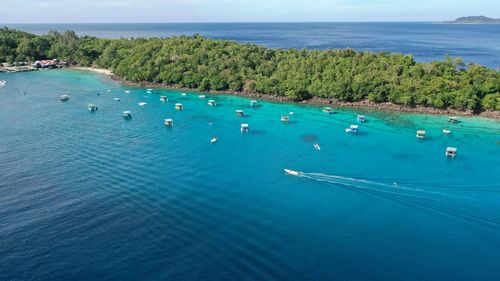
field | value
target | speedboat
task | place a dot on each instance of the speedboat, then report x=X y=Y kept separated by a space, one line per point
x=2 y=83
x=213 y=140
x=202 y=96
x=317 y=147
x=292 y=172
x=142 y=103
x=117 y=99
x=127 y=92
x=446 y=132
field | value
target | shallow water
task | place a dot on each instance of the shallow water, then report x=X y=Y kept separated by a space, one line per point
x=479 y=43
x=91 y=196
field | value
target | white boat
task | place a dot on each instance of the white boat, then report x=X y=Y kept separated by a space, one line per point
x=142 y=103
x=63 y=97
x=2 y=83
x=317 y=147
x=163 y=98
x=183 y=94
x=179 y=106
x=109 y=91
x=291 y=113
x=211 y=103
x=213 y=140
x=117 y=99
x=446 y=132
x=292 y=172
x=244 y=128
x=92 y=107
x=127 y=92
x=168 y=122
x=202 y=96
x=127 y=114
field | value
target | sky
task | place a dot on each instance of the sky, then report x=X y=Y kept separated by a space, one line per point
x=110 y=11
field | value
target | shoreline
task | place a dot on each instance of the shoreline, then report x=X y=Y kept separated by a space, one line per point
x=315 y=101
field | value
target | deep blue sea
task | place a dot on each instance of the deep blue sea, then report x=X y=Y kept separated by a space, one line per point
x=425 y=41
x=92 y=196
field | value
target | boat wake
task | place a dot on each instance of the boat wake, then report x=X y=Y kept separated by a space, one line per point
x=430 y=200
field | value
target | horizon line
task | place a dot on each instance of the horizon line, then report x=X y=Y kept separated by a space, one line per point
x=224 y=22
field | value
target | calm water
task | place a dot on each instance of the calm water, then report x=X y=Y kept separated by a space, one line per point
x=426 y=41
x=91 y=196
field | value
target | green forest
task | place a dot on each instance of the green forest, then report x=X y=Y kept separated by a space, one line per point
x=206 y=64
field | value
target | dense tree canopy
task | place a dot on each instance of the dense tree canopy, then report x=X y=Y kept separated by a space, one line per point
x=206 y=64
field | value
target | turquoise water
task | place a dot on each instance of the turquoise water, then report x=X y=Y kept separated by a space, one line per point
x=91 y=196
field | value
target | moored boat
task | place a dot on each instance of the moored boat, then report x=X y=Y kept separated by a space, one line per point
x=142 y=103
x=163 y=98
x=239 y=112
x=92 y=107
x=328 y=110
x=451 y=152
x=213 y=140
x=353 y=129
x=127 y=114
x=63 y=97
x=421 y=134
x=3 y=83
x=179 y=106
x=244 y=128
x=168 y=122
x=446 y=132
x=212 y=103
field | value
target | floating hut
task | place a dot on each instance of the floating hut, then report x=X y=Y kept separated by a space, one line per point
x=285 y=118
x=361 y=118
x=63 y=97
x=168 y=122
x=92 y=107
x=202 y=96
x=328 y=110
x=453 y=120
x=451 y=152
x=421 y=134
x=211 y=103
x=179 y=106
x=244 y=128
x=253 y=103
x=142 y=103
x=353 y=129
x=239 y=112
x=163 y=98
x=127 y=114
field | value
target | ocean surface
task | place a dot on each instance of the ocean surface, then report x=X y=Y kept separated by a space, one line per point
x=92 y=196
x=425 y=41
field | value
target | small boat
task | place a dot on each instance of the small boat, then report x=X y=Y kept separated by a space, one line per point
x=3 y=83
x=92 y=107
x=212 y=103
x=142 y=103
x=421 y=134
x=453 y=120
x=109 y=91
x=168 y=122
x=353 y=129
x=446 y=132
x=239 y=112
x=127 y=114
x=317 y=147
x=291 y=113
x=328 y=110
x=202 y=96
x=179 y=106
x=117 y=99
x=244 y=128
x=361 y=118
x=213 y=140
x=163 y=98
x=127 y=92
x=253 y=103
x=451 y=152
x=183 y=94
x=285 y=119
x=292 y=172
x=149 y=91
x=63 y=97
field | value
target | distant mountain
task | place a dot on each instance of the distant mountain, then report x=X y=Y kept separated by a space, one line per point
x=475 y=20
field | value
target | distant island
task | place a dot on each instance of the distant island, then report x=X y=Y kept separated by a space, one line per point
x=475 y=20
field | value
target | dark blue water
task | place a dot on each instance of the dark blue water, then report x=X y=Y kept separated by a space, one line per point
x=425 y=41
x=91 y=196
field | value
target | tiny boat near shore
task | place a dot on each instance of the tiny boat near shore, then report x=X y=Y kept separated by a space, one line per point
x=142 y=103
x=446 y=132
x=63 y=97
x=213 y=140
x=2 y=83
x=292 y=172
x=117 y=99
x=127 y=114
x=317 y=147
x=92 y=107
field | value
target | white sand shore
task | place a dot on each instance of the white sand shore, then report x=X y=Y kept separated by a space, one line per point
x=95 y=69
